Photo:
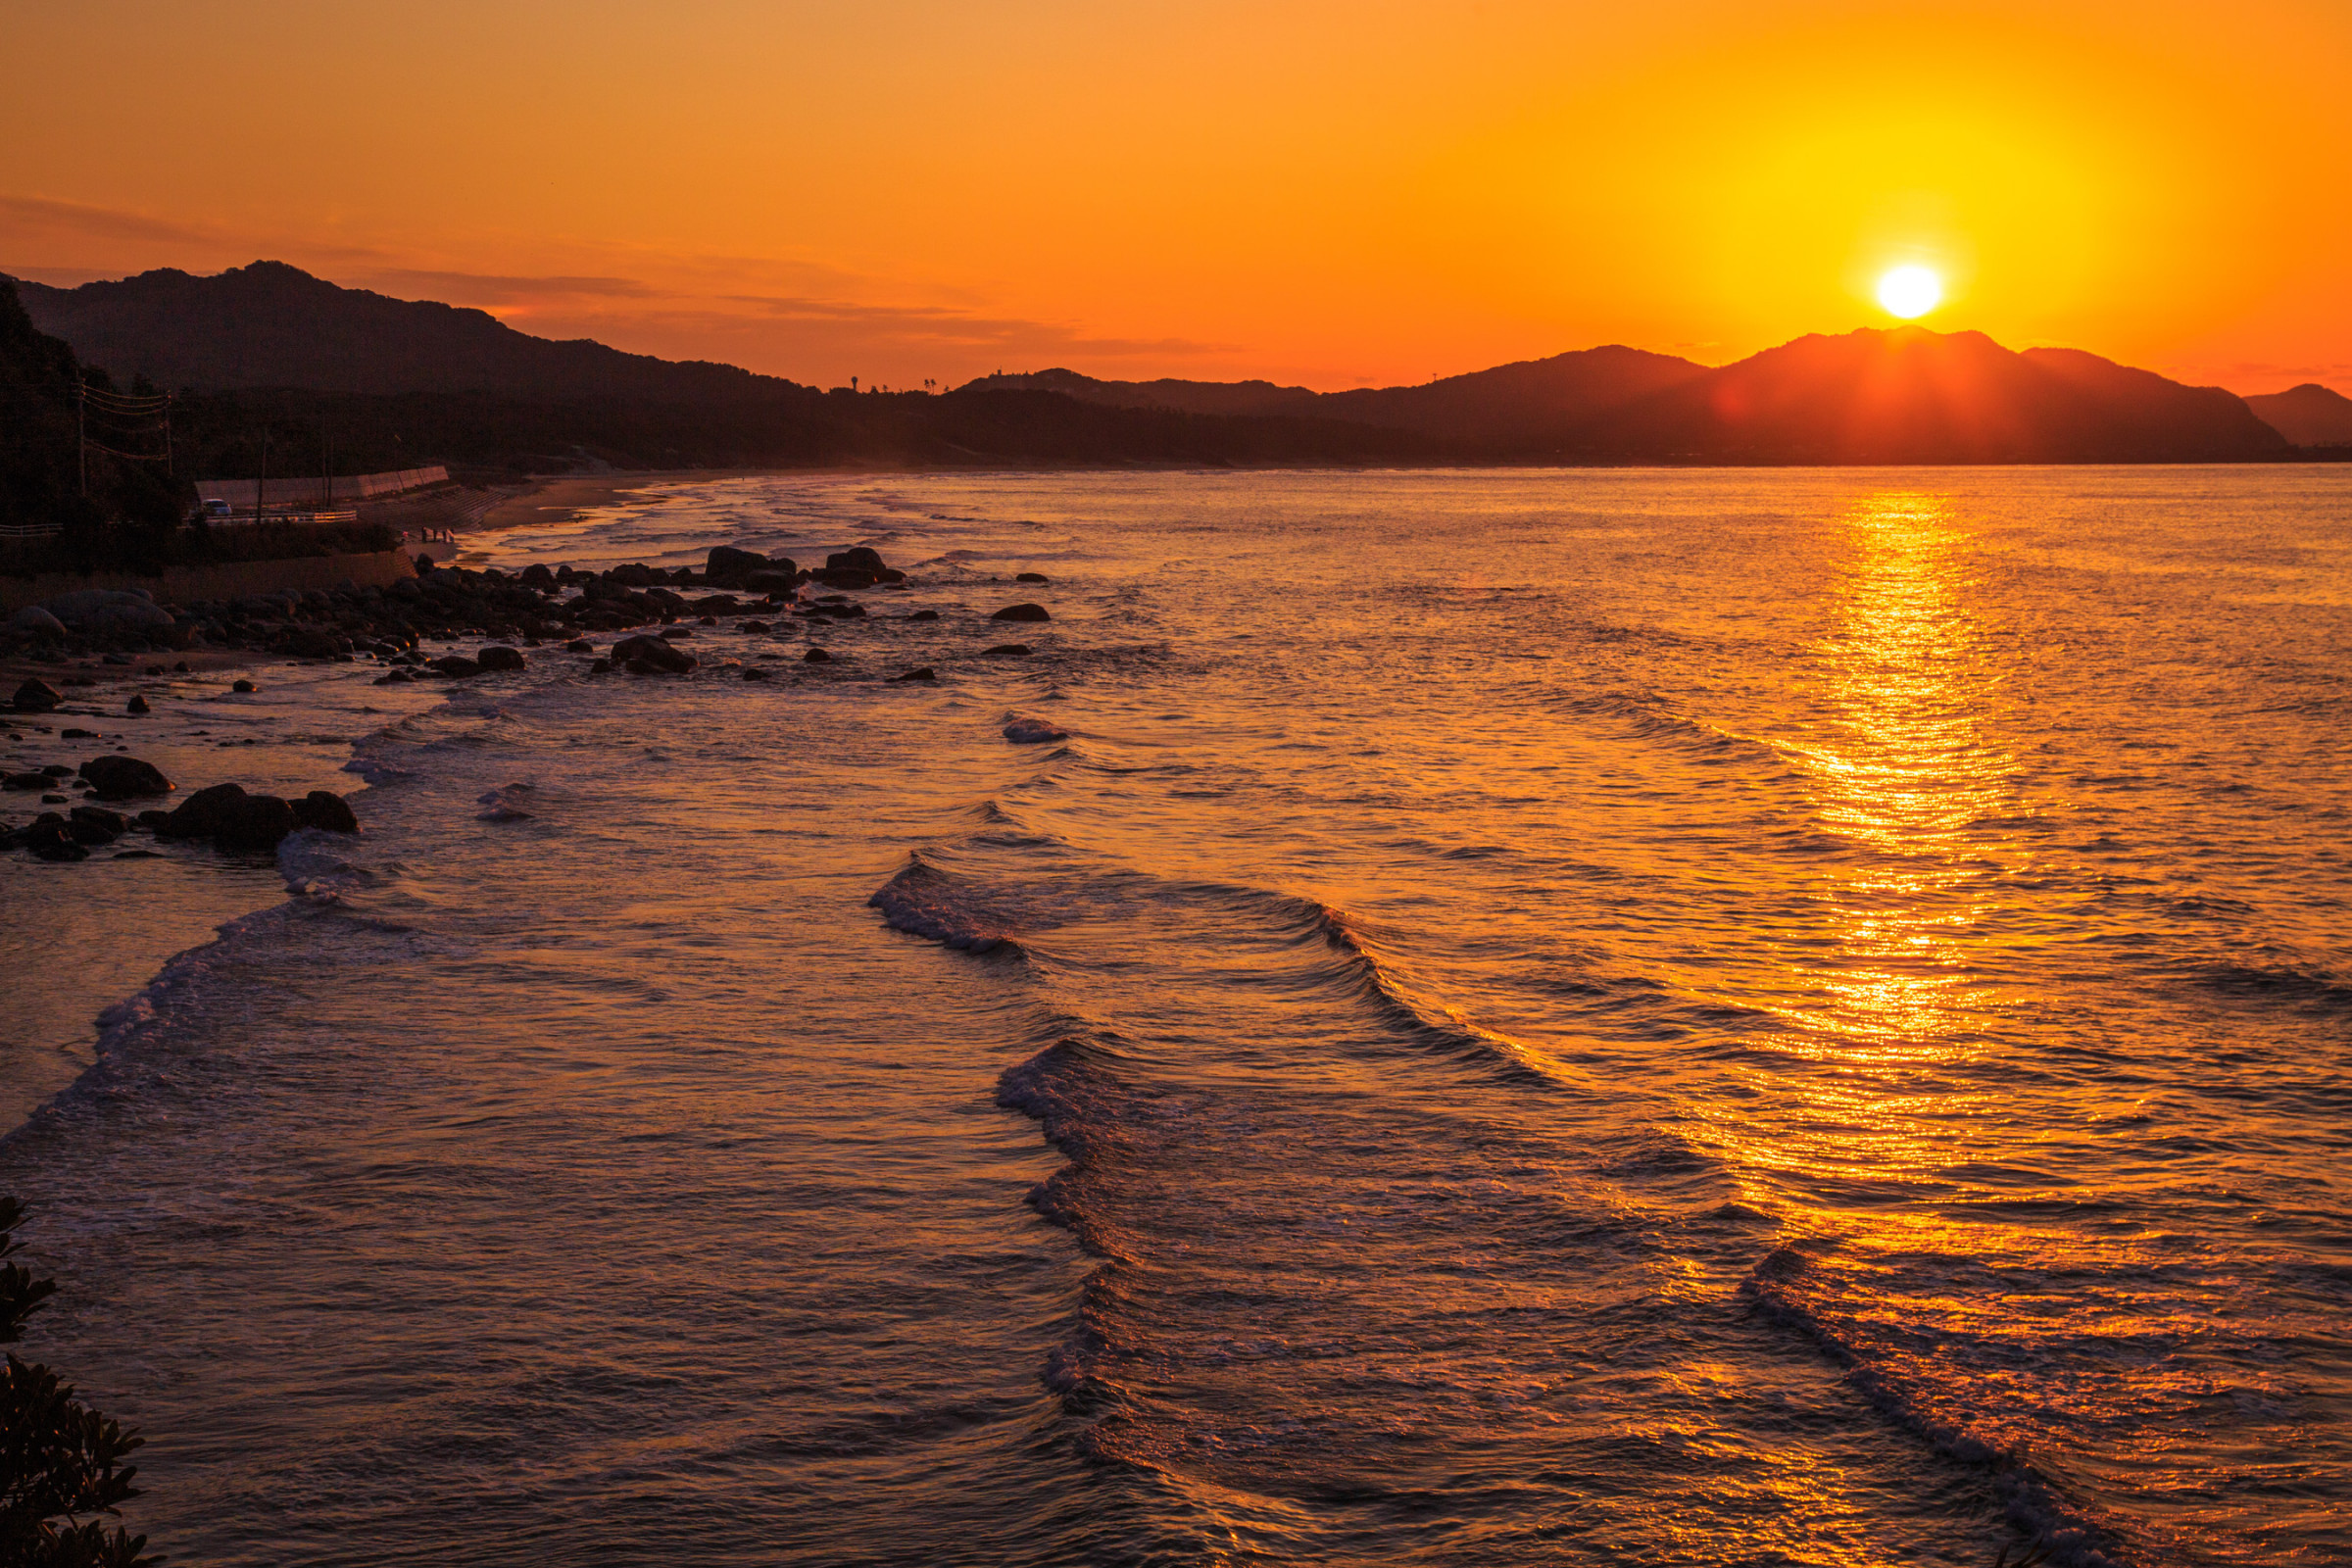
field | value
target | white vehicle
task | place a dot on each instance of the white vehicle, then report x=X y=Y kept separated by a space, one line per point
x=214 y=506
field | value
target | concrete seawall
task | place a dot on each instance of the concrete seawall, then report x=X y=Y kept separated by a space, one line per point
x=185 y=584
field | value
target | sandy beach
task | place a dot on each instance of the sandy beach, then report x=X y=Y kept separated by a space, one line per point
x=560 y=499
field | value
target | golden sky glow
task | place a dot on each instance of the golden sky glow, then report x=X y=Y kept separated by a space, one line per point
x=1328 y=193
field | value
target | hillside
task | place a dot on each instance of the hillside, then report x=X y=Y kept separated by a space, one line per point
x=394 y=383
x=41 y=476
x=1524 y=409
x=271 y=324
x=1906 y=395
x=2309 y=416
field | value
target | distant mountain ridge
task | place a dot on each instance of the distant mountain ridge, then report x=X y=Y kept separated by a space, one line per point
x=2309 y=416
x=1903 y=395
x=269 y=324
x=1506 y=408
x=1892 y=395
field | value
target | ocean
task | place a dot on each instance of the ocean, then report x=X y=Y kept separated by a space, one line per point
x=1727 y=1017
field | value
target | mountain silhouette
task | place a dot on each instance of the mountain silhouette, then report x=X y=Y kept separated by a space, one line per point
x=1902 y=395
x=1509 y=410
x=1909 y=395
x=269 y=324
x=2309 y=416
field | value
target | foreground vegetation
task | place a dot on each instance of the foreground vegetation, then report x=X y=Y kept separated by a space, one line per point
x=63 y=1466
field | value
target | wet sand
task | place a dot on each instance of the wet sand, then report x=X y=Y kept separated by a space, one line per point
x=561 y=500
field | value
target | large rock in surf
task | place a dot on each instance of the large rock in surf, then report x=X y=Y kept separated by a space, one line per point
x=499 y=657
x=727 y=566
x=327 y=812
x=656 y=655
x=95 y=824
x=49 y=838
x=455 y=665
x=37 y=696
x=1033 y=732
x=125 y=778
x=777 y=582
x=230 y=818
x=1021 y=612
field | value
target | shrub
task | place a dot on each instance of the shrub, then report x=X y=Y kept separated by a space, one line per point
x=61 y=1466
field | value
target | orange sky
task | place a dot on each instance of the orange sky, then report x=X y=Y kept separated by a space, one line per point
x=1333 y=193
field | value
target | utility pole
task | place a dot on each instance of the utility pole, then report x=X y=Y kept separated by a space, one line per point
x=261 y=486
x=82 y=432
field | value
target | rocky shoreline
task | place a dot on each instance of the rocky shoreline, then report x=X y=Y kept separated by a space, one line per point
x=649 y=613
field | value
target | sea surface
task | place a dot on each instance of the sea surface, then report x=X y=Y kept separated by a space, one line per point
x=1514 y=1017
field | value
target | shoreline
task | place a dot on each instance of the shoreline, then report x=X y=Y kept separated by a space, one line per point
x=555 y=499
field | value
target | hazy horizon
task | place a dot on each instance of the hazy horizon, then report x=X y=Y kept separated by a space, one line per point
x=1320 y=196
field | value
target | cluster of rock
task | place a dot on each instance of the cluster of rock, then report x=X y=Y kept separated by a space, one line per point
x=224 y=813
x=535 y=606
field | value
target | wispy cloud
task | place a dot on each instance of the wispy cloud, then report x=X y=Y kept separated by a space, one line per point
x=495 y=288
x=794 y=316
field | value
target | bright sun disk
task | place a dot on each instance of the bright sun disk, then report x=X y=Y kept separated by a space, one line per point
x=1909 y=291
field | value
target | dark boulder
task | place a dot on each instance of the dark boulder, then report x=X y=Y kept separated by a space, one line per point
x=76 y=734
x=200 y=815
x=1033 y=732
x=857 y=557
x=24 y=781
x=310 y=642
x=776 y=584
x=816 y=655
x=36 y=696
x=1021 y=612
x=1006 y=651
x=579 y=645
x=455 y=666
x=924 y=615
x=257 y=823
x=660 y=657
x=327 y=812
x=499 y=657
x=729 y=567
x=138 y=704
x=1032 y=577
x=95 y=824
x=51 y=838
x=230 y=818
x=635 y=574
x=125 y=778
x=537 y=575
x=243 y=686
x=755 y=672
x=925 y=672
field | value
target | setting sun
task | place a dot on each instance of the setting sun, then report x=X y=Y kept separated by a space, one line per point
x=1910 y=291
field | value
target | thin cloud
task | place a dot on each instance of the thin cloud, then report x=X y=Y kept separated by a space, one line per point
x=493 y=288
x=99 y=223
x=932 y=323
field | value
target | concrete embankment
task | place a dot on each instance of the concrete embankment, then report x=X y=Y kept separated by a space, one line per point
x=187 y=585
